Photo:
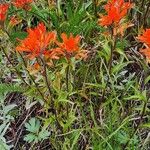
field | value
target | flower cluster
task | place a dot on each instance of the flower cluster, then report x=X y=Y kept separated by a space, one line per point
x=116 y=11
x=70 y=46
x=37 y=41
x=145 y=38
x=40 y=43
x=17 y=3
x=115 y=18
x=22 y=3
x=3 y=11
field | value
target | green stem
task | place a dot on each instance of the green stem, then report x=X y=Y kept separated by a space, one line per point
x=50 y=92
x=47 y=81
x=146 y=16
x=32 y=79
x=95 y=7
x=140 y=20
x=113 y=46
x=67 y=86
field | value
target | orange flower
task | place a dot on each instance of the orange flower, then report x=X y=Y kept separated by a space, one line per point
x=145 y=38
x=54 y=53
x=116 y=11
x=146 y=52
x=22 y=3
x=3 y=11
x=70 y=46
x=37 y=42
x=120 y=29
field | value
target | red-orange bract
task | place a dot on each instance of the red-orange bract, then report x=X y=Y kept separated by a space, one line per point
x=116 y=10
x=37 y=42
x=70 y=46
x=3 y=11
x=22 y=3
x=145 y=38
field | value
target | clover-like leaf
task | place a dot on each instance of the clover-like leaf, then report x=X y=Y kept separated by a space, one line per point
x=37 y=132
x=33 y=125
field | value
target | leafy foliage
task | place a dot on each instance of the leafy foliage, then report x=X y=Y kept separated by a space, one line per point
x=35 y=135
x=5 y=119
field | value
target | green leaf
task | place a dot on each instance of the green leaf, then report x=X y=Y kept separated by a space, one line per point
x=75 y=139
x=122 y=137
x=6 y=88
x=18 y=35
x=36 y=134
x=69 y=121
x=147 y=79
x=44 y=134
x=146 y=125
x=33 y=125
x=119 y=66
x=9 y=108
x=30 y=138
